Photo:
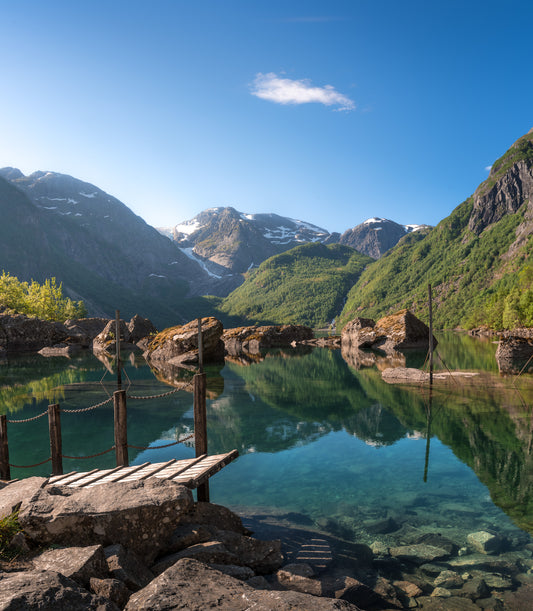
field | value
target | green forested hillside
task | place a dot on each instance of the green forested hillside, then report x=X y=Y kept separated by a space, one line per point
x=305 y=285
x=477 y=259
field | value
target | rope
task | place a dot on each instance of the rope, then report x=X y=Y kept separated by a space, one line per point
x=28 y=419
x=87 y=409
x=31 y=466
x=166 y=394
x=168 y=445
x=91 y=456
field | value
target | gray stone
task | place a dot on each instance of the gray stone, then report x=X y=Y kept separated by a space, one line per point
x=448 y=579
x=441 y=592
x=298 y=579
x=418 y=553
x=210 y=552
x=112 y=589
x=244 y=573
x=381 y=527
x=259 y=583
x=211 y=514
x=379 y=548
x=77 y=563
x=47 y=591
x=475 y=588
x=19 y=493
x=19 y=543
x=485 y=542
x=126 y=566
x=194 y=586
x=187 y=535
x=140 y=515
x=452 y=603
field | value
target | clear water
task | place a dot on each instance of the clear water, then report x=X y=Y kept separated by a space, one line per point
x=322 y=445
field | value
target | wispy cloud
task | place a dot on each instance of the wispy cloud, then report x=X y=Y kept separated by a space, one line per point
x=286 y=91
x=488 y=168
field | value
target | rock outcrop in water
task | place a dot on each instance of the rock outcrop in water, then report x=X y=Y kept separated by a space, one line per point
x=396 y=332
x=254 y=339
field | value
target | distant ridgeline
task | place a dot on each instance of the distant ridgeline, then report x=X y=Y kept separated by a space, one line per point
x=265 y=268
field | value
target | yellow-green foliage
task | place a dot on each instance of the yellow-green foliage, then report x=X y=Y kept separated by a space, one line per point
x=44 y=301
x=9 y=526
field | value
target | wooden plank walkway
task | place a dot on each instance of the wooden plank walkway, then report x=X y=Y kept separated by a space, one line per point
x=191 y=472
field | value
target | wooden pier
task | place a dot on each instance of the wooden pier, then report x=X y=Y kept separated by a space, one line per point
x=191 y=472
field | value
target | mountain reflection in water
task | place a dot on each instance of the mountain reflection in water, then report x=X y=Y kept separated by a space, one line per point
x=317 y=437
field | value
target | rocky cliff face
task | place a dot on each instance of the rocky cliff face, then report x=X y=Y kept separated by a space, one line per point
x=508 y=187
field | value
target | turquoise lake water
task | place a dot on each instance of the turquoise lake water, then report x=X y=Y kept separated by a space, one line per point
x=322 y=445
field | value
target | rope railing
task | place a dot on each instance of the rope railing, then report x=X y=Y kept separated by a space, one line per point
x=31 y=466
x=28 y=419
x=188 y=386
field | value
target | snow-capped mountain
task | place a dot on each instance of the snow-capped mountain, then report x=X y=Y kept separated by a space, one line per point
x=237 y=241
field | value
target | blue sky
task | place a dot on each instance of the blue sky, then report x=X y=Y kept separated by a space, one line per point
x=329 y=112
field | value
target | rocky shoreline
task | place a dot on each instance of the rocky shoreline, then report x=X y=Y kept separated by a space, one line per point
x=148 y=545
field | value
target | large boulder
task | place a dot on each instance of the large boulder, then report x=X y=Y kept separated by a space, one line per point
x=399 y=331
x=192 y=585
x=254 y=339
x=140 y=515
x=47 y=591
x=82 y=331
x=179 y=345
x=106 y=341
x=140 y=328
x=514 y=353
x=20 y=333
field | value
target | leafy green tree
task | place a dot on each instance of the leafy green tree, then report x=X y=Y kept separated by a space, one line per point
x=44 y=301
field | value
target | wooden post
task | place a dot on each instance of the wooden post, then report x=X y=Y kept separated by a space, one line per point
x=5 y=473
x=200 y=347
x=430 y=335
x=200 y=427
x=56 y=450
x=121 y=428
x=117 y=348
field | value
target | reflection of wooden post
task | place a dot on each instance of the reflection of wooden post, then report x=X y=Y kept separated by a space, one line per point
x=428 y=431
x=430 y=335
x=117 y=348
x=4 y=449
x=121 y=428
x=200 y=347
x=200 y=427
x=56 y=450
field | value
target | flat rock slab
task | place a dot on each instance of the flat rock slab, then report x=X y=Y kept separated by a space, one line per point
x=194 y=586
x=418 y=553
x=47 y=591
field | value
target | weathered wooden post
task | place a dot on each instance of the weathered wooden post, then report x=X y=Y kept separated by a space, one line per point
x=5 y=473
x=121 y=428
x=200 y=347
x=200 y=413
x=56 y=449
x=117 y=348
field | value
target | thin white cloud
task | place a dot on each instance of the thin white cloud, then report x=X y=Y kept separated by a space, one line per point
x=286 y=91
x=488 y=168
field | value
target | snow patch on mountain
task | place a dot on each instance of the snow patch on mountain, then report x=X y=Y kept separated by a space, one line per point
x=189 y=252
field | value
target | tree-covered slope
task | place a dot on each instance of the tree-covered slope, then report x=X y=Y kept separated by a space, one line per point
x=305 y=285
x=477 y=259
